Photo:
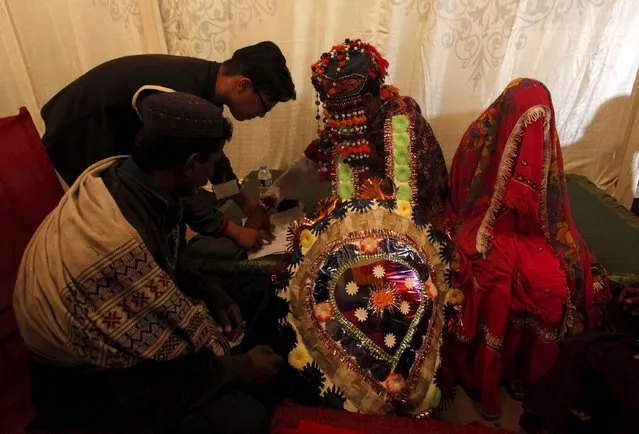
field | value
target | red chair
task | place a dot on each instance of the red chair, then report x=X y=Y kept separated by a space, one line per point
x=29 y=190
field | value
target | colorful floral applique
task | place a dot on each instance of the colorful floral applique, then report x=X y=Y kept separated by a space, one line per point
x=389 y=340
x=379 y=272
x=454 y=296
x=404 y=209
x=394 y=383
x=299 y=357
x=383 y=299
x=323 y=311
x=410 y=283
x=361 y=314
x=369 y=245
x=352 y=289
x=307 y=239
x=404 y=308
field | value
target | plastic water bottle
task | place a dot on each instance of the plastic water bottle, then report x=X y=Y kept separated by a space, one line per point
x=264 y=179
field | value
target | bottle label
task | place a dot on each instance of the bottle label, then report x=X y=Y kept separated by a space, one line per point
x=264 y=183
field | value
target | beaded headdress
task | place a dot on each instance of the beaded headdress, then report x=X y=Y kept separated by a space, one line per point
x=340 y=78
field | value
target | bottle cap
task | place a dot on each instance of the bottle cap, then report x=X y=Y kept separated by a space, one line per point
x=263 y=167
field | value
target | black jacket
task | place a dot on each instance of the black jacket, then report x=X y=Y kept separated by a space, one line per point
x=92 y=118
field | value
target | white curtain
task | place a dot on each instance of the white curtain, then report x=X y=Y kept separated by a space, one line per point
x=46 y=44
x=452 y=56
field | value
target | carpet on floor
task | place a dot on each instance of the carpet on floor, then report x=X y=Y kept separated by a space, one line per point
x=293 y=419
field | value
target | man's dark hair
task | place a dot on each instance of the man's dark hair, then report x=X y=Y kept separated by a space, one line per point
x=154 y=150
x=265 y=65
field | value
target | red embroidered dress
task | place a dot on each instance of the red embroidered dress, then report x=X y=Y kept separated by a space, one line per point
x=526 y=273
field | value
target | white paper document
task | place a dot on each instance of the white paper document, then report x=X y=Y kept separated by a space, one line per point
x=226 y=189
x=281 y=221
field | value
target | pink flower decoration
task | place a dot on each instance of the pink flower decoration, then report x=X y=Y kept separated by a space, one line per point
x=394 y=383
x=323 y=311
x=369 y=245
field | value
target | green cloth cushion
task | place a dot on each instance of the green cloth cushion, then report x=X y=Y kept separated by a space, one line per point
x=611 y=231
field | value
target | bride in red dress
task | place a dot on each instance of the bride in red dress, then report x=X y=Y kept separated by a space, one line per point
x=527 y=275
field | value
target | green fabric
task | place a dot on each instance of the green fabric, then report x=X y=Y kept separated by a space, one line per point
x=401 y=140
x=345 y=191
x=401 y=157
x=611 y=231
x=402 y=173
x=221 y=257
x=404 y=193
x=345 y=173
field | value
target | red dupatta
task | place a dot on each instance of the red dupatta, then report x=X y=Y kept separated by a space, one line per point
x=510 y=158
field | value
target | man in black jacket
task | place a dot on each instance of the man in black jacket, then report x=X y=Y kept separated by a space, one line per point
x=93 y=118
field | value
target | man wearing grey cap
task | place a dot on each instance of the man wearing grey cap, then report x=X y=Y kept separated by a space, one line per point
x=117 y=335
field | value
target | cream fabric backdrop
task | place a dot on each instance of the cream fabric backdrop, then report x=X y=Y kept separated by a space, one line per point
x=452 y=56
x=46 y=44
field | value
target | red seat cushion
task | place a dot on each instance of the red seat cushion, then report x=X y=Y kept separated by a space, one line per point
x=29 y=190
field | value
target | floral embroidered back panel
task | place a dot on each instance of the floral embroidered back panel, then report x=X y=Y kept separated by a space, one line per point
x=366 y=278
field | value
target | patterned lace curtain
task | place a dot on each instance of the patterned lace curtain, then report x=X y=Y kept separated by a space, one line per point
x=452 y=56
x=46 y=44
